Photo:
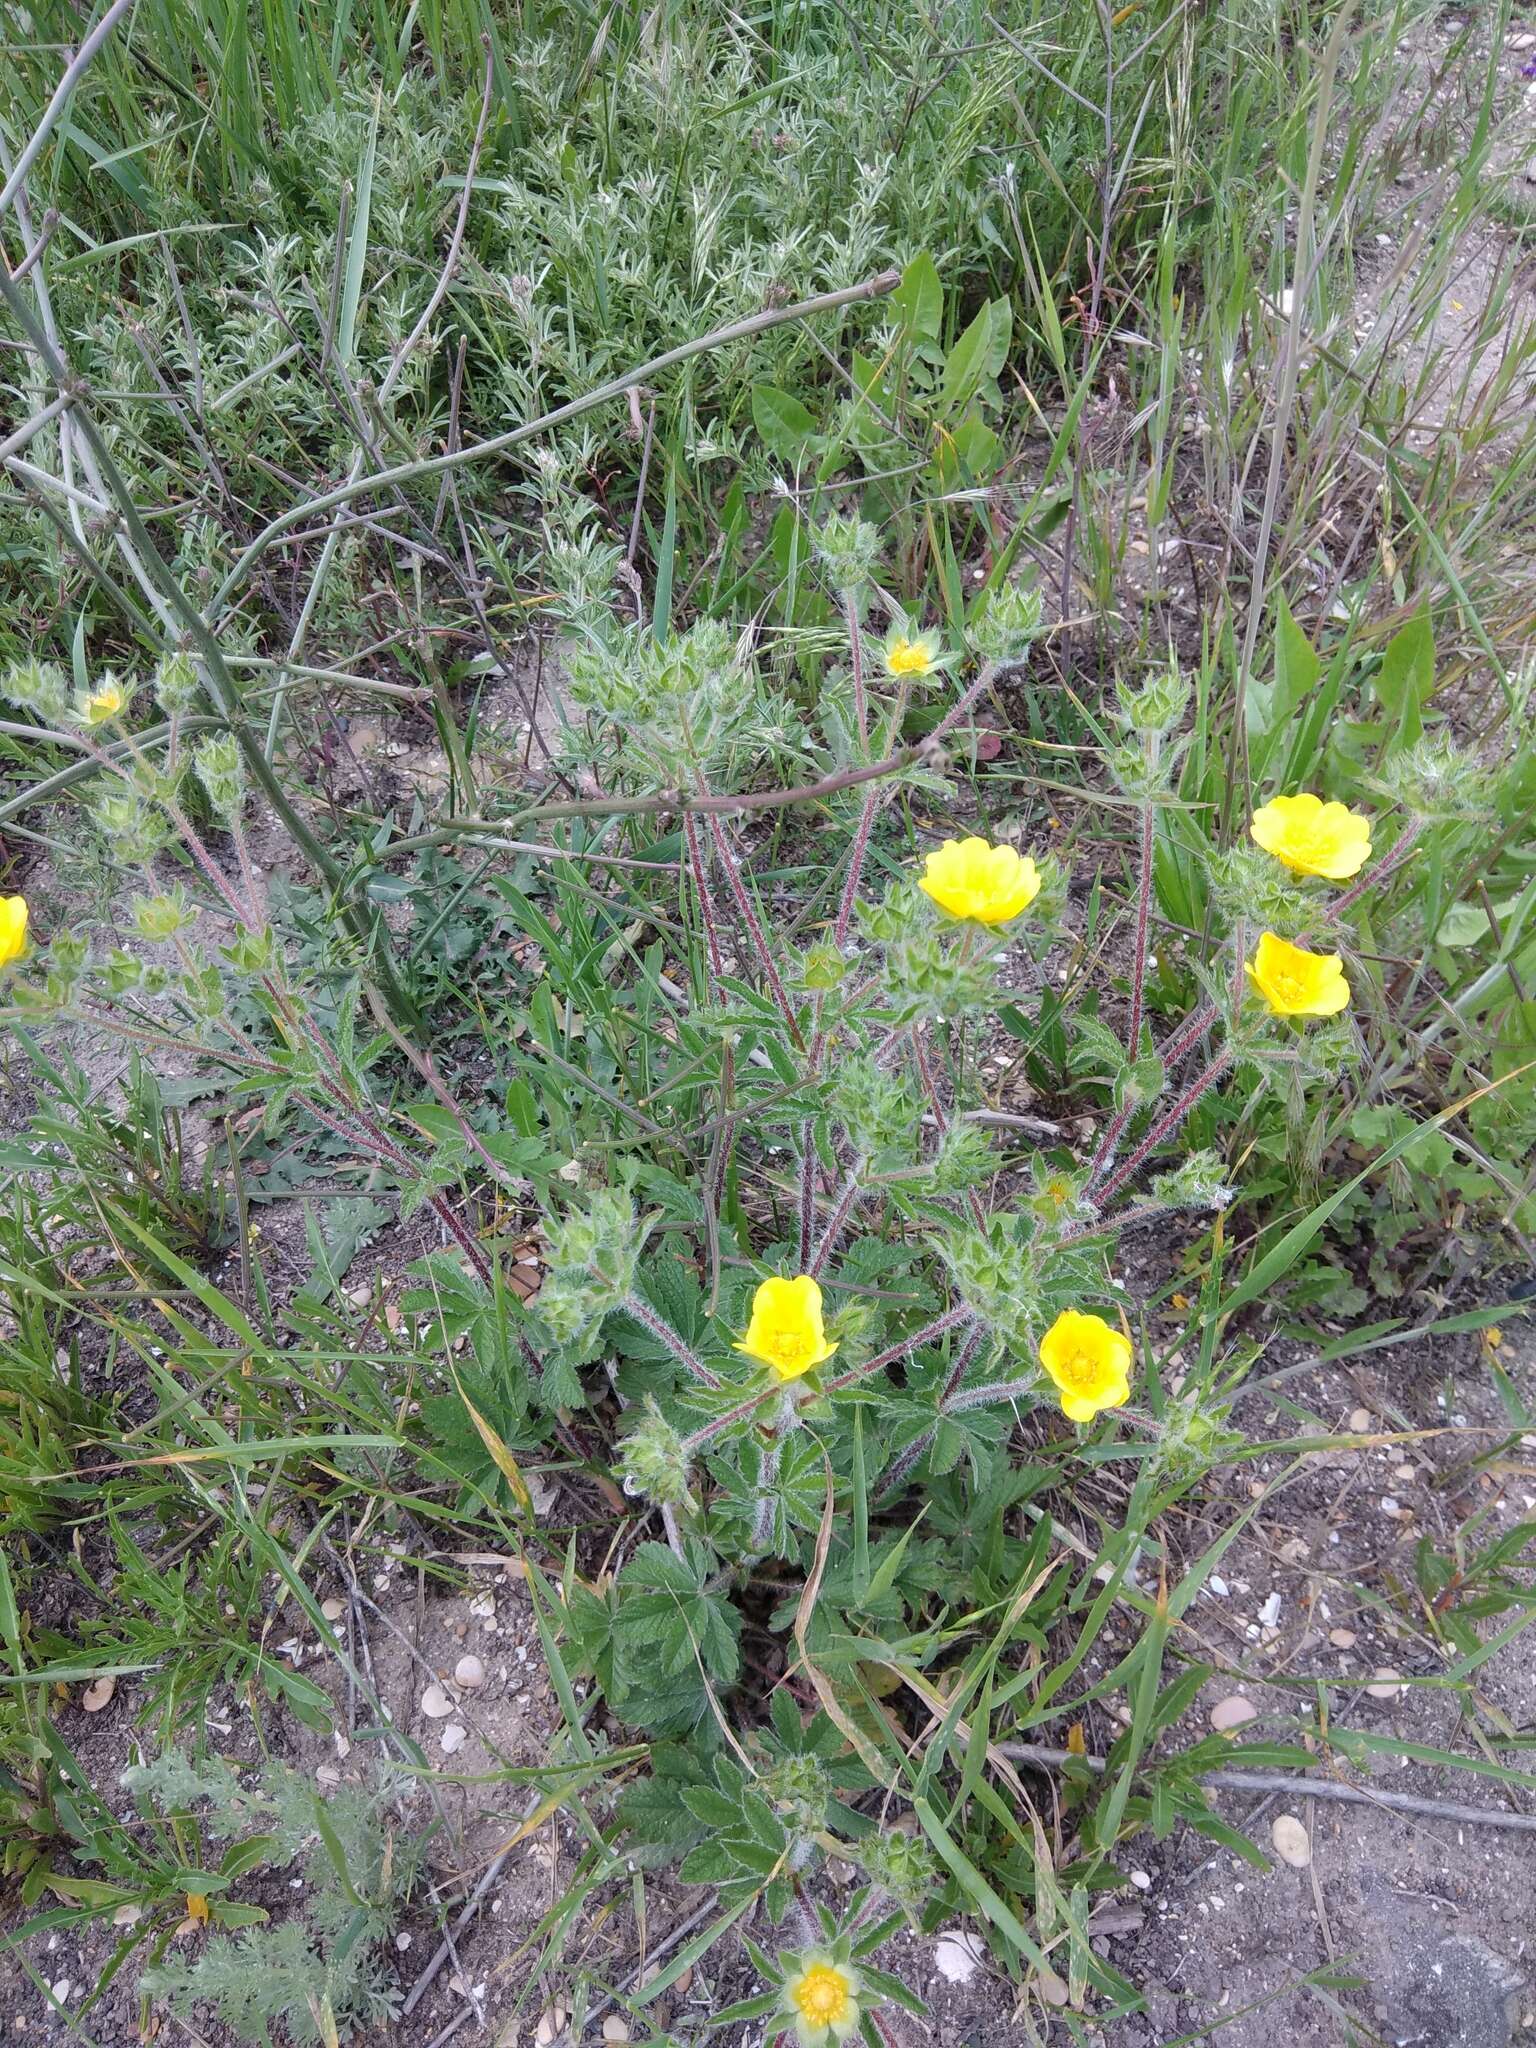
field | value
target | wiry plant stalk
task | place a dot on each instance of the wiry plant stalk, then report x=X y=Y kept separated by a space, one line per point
x=914 y=1452
x=1168 y=1122
x=664 y=1333
x=749 y=918
x=1143 y=908
x=842 y=1207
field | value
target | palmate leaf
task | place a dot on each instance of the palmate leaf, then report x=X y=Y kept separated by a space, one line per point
x=669 y=1636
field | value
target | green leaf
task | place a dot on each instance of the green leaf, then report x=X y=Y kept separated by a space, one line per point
x=1462 y=925
x=979 y=353
x=919 y=298
x=785 y=427
x=1406 y=679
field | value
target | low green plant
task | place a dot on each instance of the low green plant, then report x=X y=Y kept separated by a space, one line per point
x=318 y=1973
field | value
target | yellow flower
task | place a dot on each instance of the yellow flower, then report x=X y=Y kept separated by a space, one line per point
x=1090 y=1363
x=990 y=884
x=823 y=1995
x=786 y=1332
x=197 y=1907
x=911 y=654
x=1296 y=983
x=13 y=928
x=1313 y=838
x=104 y=702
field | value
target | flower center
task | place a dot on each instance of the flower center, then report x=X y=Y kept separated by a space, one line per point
x=906 y=659
x=822 y=1995
x=1080 y=1370
x=1289 y=986
x=790 y=1346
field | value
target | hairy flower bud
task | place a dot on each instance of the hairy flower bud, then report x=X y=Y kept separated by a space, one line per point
x=222 y=773
x=592 y=1257
x=1196 y=1182
x=901 y=1865
x=655 y=1463
x=848 y=550
x=1158 y=707
x=1437 y=781
x=41 y=687
x=1007 y=624
x=176 y=686
x=160 y=917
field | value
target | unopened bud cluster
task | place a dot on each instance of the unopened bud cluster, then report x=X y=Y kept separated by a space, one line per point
x=221 y=771
x=1007 y=625
x=592 y=1256
x=848 y=549
x=655 y=1463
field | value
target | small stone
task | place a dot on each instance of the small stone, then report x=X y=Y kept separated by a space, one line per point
x=1405 y=1475
x=1142 y=1879
x=327 y=1775
x=128 y=1916
x=957 y=1955
x=1052 y=1988
x=1232 y=1713
x=360 y=1296
x=551 y=2025
x=1295 y=1550
x=402 y=1942
x=1269 y=1613
x=333 y=1609
x=1343 y=1638
x=98 y=1694
x=615 y=2028
x=1359 y=1421
x=1293 y=1844
x=62 y=1989
x=435 y=1703
x=1219 y=1586
x=1386 y=1685
x=469 y=1673
x=453 y=1738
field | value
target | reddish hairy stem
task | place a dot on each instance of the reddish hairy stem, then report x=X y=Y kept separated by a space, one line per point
x=847 y=1379
x=749 y=918
x=664 y=1333
x=847 y=1195
x=1168 y=1122
x=706 y=901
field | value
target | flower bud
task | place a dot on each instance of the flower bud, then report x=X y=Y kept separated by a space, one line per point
x=222 y=773
x=1007 y=624
x=176 y=687
x=39 y=686
x=158 y=918
x=655 y=1463
x=848 y=550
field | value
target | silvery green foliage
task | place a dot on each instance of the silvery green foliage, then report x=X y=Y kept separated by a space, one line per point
x=677 y=712
x=357 y=1870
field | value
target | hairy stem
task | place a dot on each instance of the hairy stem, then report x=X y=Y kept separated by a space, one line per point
x=1168 y=1122
x=664 y=1333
